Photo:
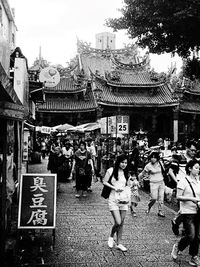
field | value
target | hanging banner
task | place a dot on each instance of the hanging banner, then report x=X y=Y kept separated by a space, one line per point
x=37 y=201
x=108 y=125
x=123 y=124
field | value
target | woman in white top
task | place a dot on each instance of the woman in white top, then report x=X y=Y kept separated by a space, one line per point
x=118 y=210
x=188 y=193
x=157 y=186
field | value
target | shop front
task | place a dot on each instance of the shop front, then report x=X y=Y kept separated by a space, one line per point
x=11 y=132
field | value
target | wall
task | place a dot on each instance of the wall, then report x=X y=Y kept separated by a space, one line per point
x=7 y=34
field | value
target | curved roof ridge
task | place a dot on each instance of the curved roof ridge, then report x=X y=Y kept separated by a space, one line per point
x=131 y=66
x=85 y=48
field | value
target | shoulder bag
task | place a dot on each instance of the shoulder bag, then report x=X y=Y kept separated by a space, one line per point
x=106 y=189
x=164 y=173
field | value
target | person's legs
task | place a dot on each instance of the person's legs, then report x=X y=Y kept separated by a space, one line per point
x=120 y=228
x=161 y=189
x=187 y=239
x=194 y=245
x=189 y=226
x=78 y=185
x=153 y=194
x=117 y=221
x=132 y=206
x=84 y=185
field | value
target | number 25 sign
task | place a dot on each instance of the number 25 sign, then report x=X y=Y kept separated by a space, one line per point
x=122 y=128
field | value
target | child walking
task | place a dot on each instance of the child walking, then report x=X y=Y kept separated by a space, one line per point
x=135 y=198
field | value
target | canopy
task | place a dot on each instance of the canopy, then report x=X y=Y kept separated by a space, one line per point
x=87 y=127
x=63 y=127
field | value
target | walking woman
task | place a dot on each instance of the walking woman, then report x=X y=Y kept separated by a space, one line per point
x=57 y=164
x=188 y=193
x=83 y=168
x=116 y=178
x=157 y=186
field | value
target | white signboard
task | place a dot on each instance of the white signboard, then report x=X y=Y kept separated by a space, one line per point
x=115 y=125
x=123 y=124
x=45 y=130
x=112 y=124
x=50 y=76
x=103 y=123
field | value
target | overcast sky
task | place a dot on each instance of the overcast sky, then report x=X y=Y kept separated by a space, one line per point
x=55 y=25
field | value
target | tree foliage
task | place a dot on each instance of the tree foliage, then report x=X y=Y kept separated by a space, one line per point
x=191 y=69
x=161 y=25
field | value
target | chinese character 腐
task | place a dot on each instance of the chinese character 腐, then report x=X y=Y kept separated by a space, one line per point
x=38 y=217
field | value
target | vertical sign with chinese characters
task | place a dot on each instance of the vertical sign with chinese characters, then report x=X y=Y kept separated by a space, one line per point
x=37 y=201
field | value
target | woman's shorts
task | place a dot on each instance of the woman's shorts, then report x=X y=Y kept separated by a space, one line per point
x=114 y=205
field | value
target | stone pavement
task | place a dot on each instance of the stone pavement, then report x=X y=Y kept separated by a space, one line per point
x=83 y=226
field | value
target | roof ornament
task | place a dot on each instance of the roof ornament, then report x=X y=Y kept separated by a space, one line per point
x=158 y=77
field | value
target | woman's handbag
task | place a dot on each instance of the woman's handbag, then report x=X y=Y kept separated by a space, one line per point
x=124 y=197
x=106 y=189
x=81 y=171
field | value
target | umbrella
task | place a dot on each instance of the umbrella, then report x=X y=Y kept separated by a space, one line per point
x=63 y=127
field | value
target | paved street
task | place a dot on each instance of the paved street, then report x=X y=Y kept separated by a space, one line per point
x=83 y=227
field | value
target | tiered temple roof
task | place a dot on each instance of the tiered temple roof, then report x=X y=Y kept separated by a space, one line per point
x=123 y=78
x=190 y=100
x=119 y=77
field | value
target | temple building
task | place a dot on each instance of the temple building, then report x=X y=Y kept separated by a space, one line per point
x=189 y=109
x=105 y=81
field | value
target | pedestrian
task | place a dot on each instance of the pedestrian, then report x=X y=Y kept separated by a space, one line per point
x=83 y=168
x=134 y=158
x=67 y=151
x=190 y=154
x=118 y=177
x=157 y=186
x=188 y=193
x=191 y=150
x=92 y=150
x=57 y=164
x=43 y=148
x=135 y=198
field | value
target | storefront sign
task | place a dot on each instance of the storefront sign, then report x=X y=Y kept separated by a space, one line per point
x=115 y=125
x=25 y=145
x=37 y=201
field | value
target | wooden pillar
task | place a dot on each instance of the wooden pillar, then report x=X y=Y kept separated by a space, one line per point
x=175 y=125
x=154 y=122
x=3 y=192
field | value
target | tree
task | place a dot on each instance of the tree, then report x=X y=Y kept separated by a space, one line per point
x=161 y=25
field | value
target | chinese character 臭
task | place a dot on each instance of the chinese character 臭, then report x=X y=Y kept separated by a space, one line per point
x=38 y=184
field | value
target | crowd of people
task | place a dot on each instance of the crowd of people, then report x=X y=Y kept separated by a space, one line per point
x=126 y=175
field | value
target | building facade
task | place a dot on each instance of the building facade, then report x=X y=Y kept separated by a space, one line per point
x=16 y=107
x=105 y=82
